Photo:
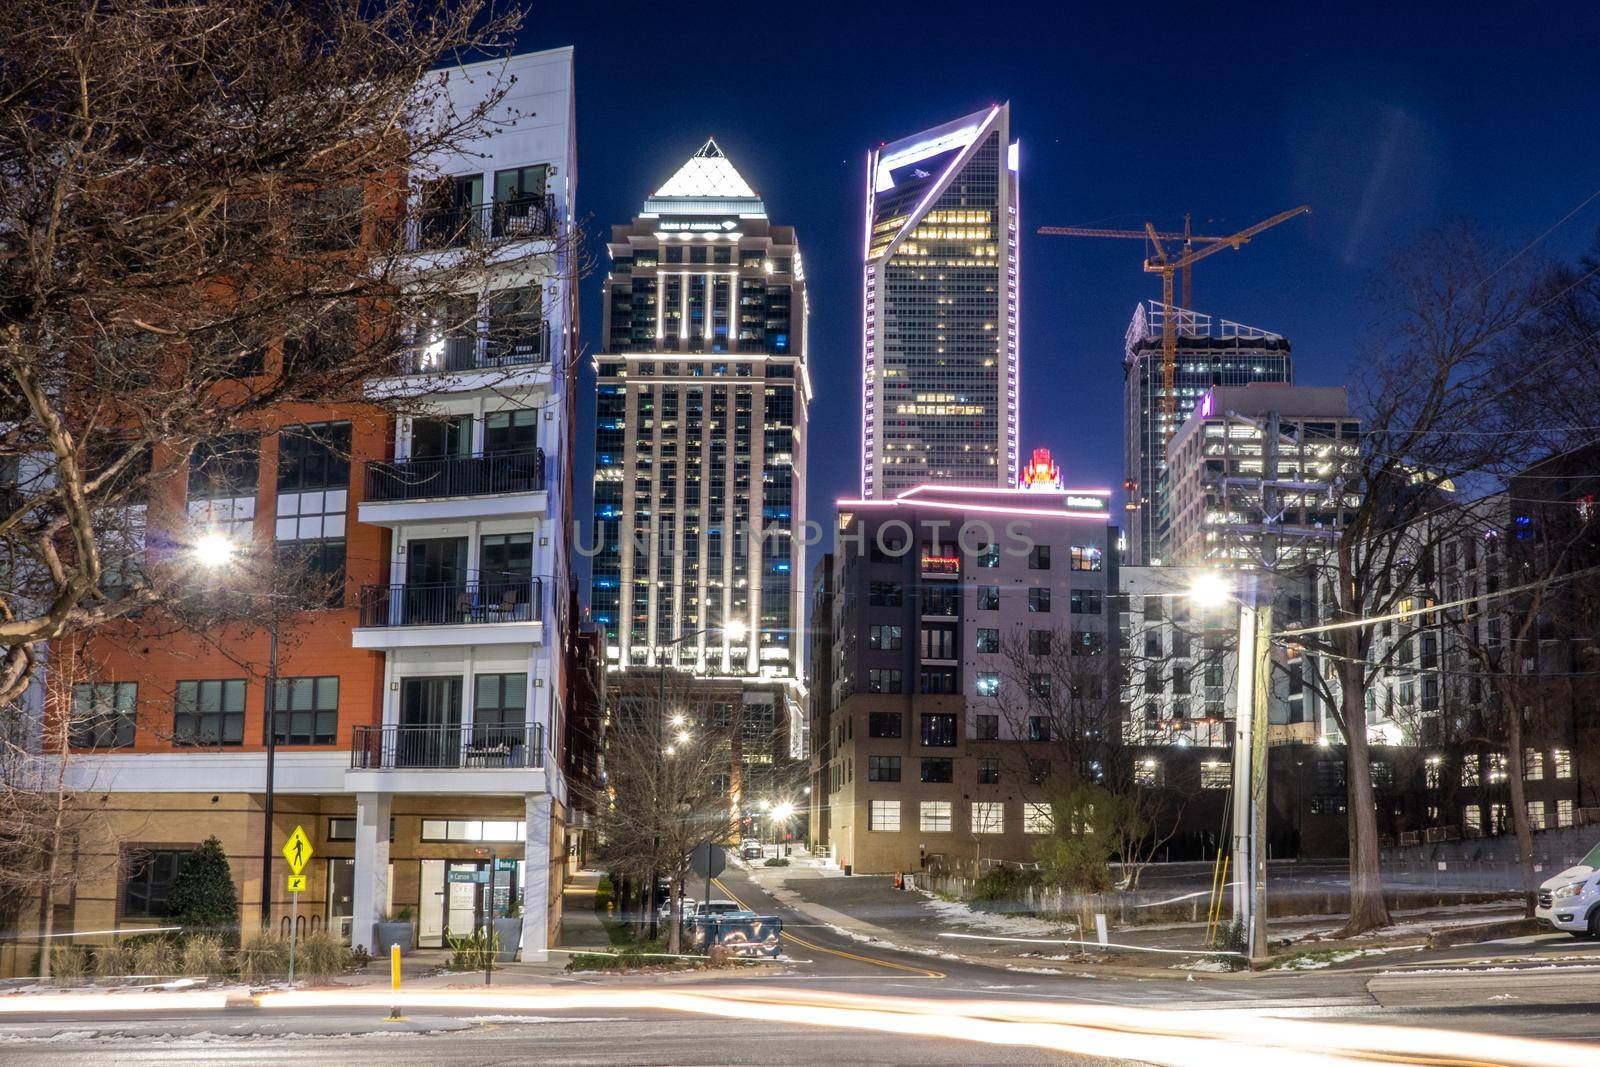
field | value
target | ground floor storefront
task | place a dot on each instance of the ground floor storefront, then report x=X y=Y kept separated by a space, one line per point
x=441 y=865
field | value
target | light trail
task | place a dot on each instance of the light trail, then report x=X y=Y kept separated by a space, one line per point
x=1128 y=1033
x=1099 y=944
x=100 y=1003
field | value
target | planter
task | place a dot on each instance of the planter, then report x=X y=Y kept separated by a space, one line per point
x=508 y=937
x=386 y=933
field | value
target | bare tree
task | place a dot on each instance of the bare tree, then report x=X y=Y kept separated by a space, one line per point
x=666 y=788
x=209 y=211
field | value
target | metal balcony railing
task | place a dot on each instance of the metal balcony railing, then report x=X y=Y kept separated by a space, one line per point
x=486 y=474
x=506 y=345
x=512 y=220
x=445 y=747
x=452 y=603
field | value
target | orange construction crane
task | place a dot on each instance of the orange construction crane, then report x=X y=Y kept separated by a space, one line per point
x=1161 y=261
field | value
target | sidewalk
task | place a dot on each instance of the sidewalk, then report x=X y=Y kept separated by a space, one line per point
x=581 y=928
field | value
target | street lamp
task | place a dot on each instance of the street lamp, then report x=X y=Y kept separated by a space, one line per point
x=215 y=551
x=1212 y=590
x=780 y=815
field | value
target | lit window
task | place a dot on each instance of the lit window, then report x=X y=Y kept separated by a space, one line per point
x=1215 y=775
x=988 y=817
x=1532 y=765
x=883 y=815
x=1562 y=758
x=988 y=684
x=1038 y=819
x=936 y=816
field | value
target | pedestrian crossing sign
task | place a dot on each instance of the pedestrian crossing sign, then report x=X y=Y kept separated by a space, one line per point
x=297 y=850
x=297 y=883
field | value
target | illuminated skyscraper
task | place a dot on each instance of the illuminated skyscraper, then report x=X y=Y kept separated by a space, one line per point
x=939 y=308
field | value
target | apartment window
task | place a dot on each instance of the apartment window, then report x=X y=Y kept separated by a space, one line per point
x=988 y=598
x=988 y=817
x=314 y=456
x=500 y=706
x=883 y=723
x=1469 y=771
x=1536 y=815
x=883 y=768
x=883 y=815
x=306 y=711
x=1215 y=775
x=224 y=466
x=1038 y=600
x=1038 y=728
x=341 y=829
x=1433 y=774
x=1038 y=642
x=1039 y=686
x=939 y=730
x=886 y=594
x=883 y=680
x=1087 y=602
x=317 y=568
x=938 y=770
x=1085 y=558
x=987 y=684
x=103 y=714
x=148 y=884
x=1038 y=819
x=1532 y=765
x=936 y=816
x=989 y=770
x=938 y=680
x=986 y=727
x=1562 y=762
x=988 y=639
x=1180 y=680
x=1039 y=558
x=1563 y=813
x=1472 y=818
x=938 y=642
x=209 y=712
x=1088 y=642
x=1148 y=773
x=885 y=638
x=989 y=556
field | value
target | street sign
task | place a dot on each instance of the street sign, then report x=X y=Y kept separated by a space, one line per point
x=505 y=865
x=297 y=883
x=708 y=860
x=297 y=850
x=457 y=877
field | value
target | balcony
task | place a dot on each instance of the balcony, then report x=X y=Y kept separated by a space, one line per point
x=447 y=747
x=498 y=611
x=507 y=347
x=411 y=490
x=522 y=219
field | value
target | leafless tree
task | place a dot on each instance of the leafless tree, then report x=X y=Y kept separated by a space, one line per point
x=666 y=788
x=210 y=211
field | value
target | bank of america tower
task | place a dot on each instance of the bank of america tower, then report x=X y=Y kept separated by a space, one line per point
x=939 y=308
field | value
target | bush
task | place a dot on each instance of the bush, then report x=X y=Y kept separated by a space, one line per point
x=776 y=861
x=264 y=958
x=203 y=899
x=113 y=961
x=69 y=963
x=1003 y=885
x=475 y=952
x=153 y=957
x=319 y=956
x=204 y=956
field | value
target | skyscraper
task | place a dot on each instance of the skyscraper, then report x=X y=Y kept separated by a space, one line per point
x=700 y=438
x=1211 y=352
x=939 y=308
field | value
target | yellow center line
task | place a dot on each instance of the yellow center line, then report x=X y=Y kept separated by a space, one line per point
x=925 y=972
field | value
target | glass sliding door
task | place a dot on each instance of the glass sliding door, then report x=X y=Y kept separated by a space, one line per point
x=430 y=723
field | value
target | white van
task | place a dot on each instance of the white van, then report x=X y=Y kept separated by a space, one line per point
x=1570 y=901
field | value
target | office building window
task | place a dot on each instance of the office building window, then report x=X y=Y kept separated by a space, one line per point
x=936 y=816
x=1532 y=765
x=988 y=598
x=988 y=770
x=1038 y=642
x=1085 y=558
x=209 y=712
x=1563 y=813
x=1562 y=762
x=938 y=730
x=1088 y=642
x=103 y=714
x=1038 y=819
x=883 y=815
x=1536 y=815
x=1215 y=775
x=1038 y=728
x=884 y=723
x=988 y=817
x=1038 y=600
x=988 y=639
x=1087 y=602
x=938 y=770
x=986 y=727
x=306 y=711
x=1039 y=558
x=883 y=768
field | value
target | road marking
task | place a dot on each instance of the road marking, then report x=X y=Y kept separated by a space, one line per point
x=925 y=972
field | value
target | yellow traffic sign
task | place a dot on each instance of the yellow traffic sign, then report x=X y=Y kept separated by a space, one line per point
x=297 y=883
x=297 y=850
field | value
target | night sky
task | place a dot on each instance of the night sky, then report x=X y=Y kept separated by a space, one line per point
x=1384 y=118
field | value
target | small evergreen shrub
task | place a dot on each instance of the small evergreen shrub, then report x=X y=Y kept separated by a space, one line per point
x=203 y=899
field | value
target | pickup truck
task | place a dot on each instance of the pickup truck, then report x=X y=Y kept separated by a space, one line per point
x=1570 y=900
x=742 y=932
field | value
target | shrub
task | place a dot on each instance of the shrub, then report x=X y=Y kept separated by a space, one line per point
x=776 y=861
x=113 y=961
x=473 y=952
x=264 y=958
x=153 y=957
x=203 y=899
x=204 y=956
x=69 y=963
x=1003 y=884
x=319 y=956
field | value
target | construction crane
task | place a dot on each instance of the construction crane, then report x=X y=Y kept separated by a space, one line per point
x=1161 y=261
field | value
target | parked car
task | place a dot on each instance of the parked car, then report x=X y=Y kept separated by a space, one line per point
x=1570 y=900
x=688 y=907
x=751 y=850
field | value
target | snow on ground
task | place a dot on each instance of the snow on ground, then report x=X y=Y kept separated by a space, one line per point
x=1015 y=925
x=1209 y=966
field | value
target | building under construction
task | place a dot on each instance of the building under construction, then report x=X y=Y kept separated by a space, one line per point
x=1210 y=352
